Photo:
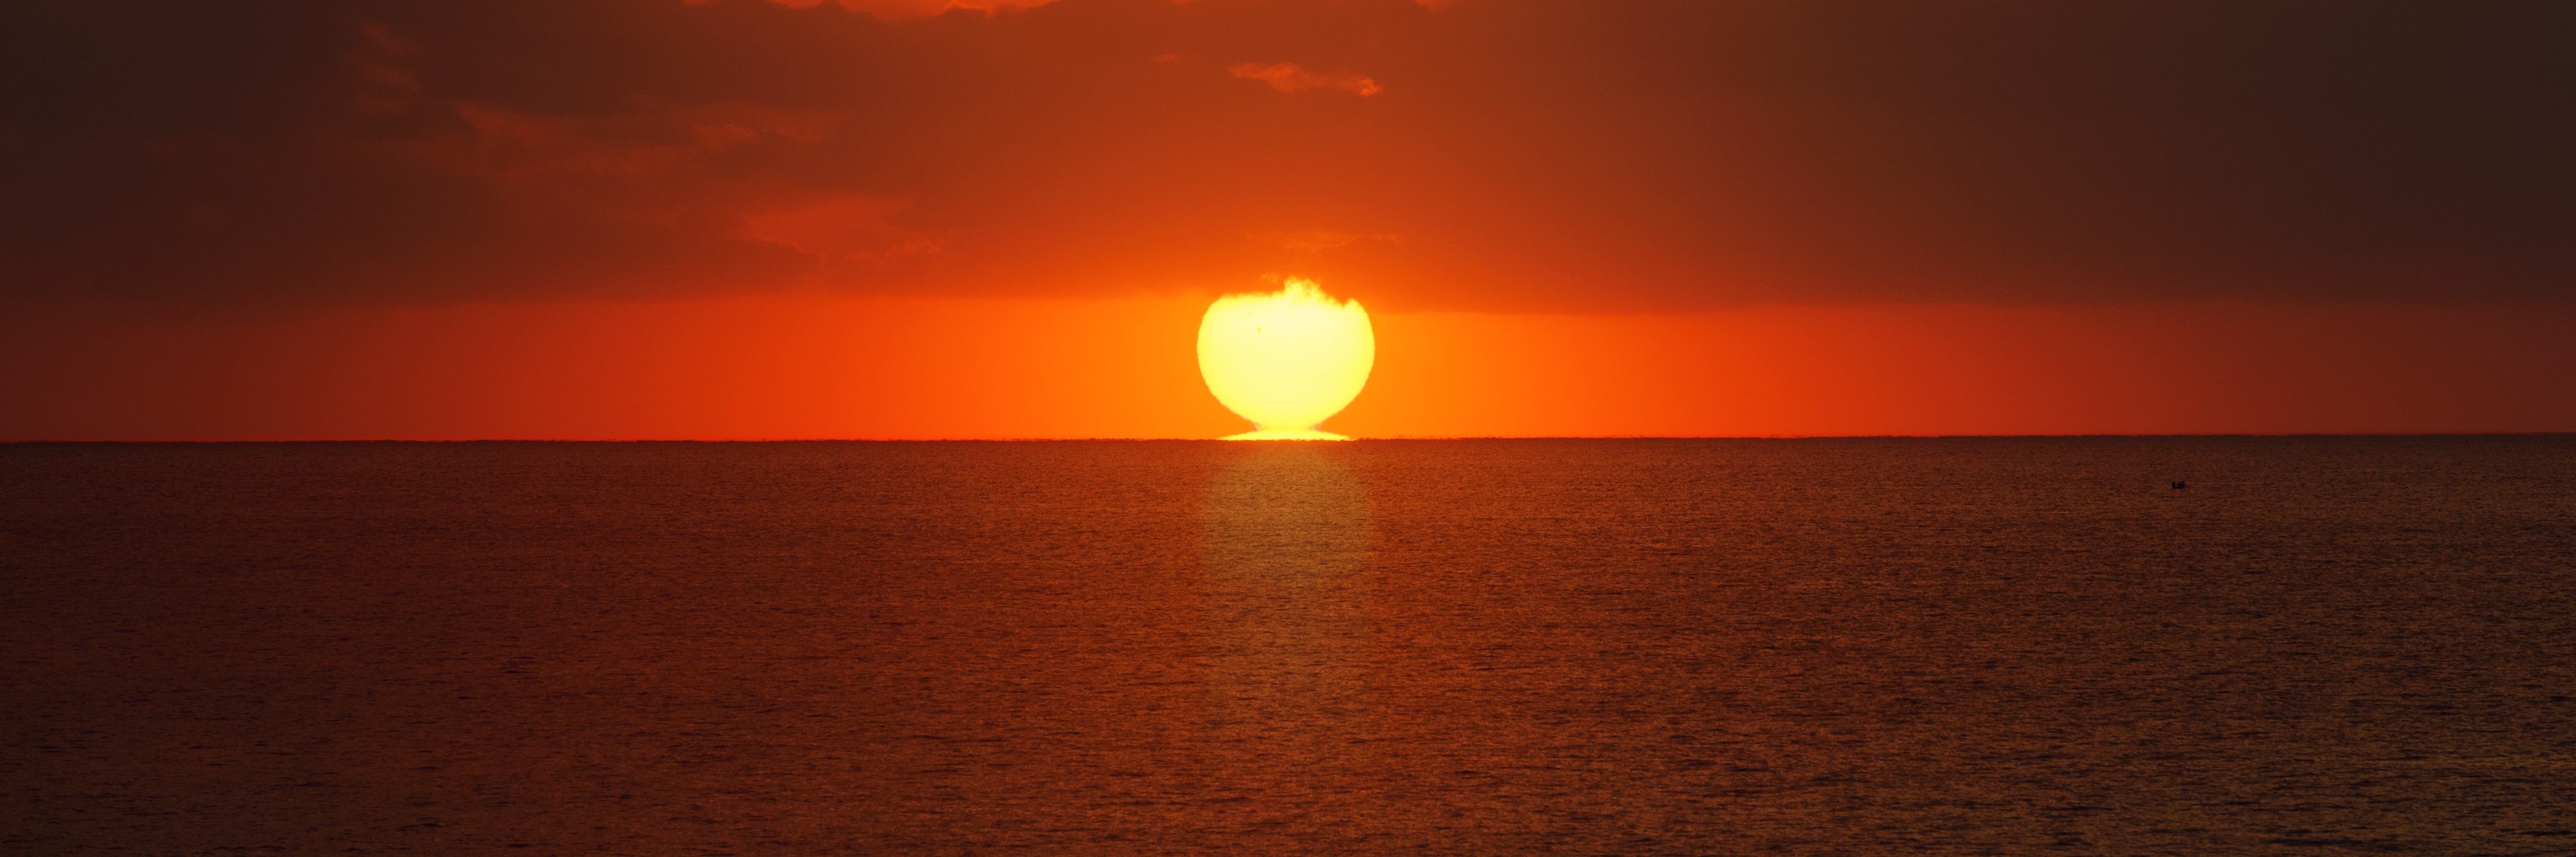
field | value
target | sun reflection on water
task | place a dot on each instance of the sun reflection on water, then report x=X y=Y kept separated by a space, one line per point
x=1285 y=541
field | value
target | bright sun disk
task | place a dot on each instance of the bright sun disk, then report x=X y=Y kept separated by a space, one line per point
x=1286 y=360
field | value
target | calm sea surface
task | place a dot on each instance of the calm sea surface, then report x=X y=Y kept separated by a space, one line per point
x=1962 y=646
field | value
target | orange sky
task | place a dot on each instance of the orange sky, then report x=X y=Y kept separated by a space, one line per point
x=811 y=366
x=895 y=218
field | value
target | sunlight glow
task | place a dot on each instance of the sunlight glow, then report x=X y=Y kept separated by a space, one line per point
x=1286 y=360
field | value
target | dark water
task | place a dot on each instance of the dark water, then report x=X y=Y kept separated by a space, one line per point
x=1808 y=647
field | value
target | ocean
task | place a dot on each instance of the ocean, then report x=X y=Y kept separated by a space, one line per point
x=1833 y=646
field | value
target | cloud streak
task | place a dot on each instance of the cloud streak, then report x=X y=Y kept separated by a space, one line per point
x=1287 y=77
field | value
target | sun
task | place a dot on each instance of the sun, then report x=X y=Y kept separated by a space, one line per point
x=1286 y=360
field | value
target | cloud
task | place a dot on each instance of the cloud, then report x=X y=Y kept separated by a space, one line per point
x=1533 y=154
x=1287 y=77
x=899 y=9
x=1310 y=241
x=848 y=236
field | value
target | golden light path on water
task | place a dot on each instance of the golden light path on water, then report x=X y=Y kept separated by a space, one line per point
x=1286 y=360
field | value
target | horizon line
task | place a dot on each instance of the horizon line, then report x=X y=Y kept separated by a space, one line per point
x=1105 y=439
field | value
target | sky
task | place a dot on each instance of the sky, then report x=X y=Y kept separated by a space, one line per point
x=907 y=219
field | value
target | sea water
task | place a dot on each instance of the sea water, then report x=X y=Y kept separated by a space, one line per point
x=1950 y=646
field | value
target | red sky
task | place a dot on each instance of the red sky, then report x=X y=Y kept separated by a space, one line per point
x=626 y=219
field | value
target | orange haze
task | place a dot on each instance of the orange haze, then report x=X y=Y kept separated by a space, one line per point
x=809 y=366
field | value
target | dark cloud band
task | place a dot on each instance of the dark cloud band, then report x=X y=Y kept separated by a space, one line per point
x=1499 y=154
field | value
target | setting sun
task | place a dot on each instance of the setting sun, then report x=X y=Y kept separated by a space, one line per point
x=1818 y=427
x=1286 y=360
